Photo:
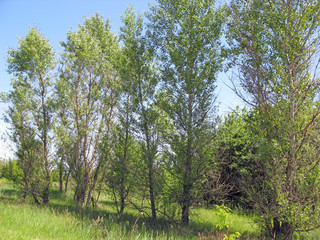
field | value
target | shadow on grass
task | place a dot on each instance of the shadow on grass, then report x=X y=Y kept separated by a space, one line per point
x=10 y=193
x=61 y=203
x=126 y=220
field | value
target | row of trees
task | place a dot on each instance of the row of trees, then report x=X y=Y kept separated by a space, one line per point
x=135 y=113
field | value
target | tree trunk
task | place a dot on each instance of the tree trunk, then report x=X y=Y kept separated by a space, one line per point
x=276 y=228
x=149 y=154
x=61 y=176
x=67 y=181
x=185 y=206
x=100 y=189
x=80 y=198
x=35 y=197
x=282 y=231
x=122 y=205
x=187 y=179
x=151 y=191
x=25 y=192
x=45 y=196
x=185 y=214
x=89 y=198
x=80 y=193
x=36 y=200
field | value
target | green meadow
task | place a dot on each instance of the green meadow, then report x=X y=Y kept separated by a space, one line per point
x=60 y=220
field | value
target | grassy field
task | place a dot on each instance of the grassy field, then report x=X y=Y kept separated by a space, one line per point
x=60 y=220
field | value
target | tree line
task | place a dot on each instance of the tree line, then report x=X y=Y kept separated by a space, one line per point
x=135 y=114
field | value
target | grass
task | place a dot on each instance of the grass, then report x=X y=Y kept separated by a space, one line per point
x=60 y=220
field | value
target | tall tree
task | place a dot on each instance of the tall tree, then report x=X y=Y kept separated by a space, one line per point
x=22 y=136
x=32 y=64
x=138 y=71
x=124 y=146
x=187 y=35
x=277 y=43
x=87 y=83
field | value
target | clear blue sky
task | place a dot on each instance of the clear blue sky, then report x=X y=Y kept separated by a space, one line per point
x=54 y=18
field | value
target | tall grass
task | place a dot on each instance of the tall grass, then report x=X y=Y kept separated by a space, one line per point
x=60 y=220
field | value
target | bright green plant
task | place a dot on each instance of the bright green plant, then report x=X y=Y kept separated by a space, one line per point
x=232 y=236
x=222 y=213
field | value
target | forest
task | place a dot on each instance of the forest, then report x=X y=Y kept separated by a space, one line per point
x=133 y=116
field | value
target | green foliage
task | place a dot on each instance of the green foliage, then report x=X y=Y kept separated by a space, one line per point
x=87 y=92
x=11 y=171
x=30 y=114
x=186 y=35
x=33 y=54
x=276 y=43
x=125 y=168
x=138 y=73
x=234 y=151
x=137 y=113
x=233 y=236
x=222 y=213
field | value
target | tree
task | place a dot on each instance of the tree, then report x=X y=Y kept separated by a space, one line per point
x=32 y=64
x=234 y=157
x=276 y=44
x=138 y=72
x=187 y=36
x=125 y=166
x=88 y=86
x=12 y=171
x=23 y=136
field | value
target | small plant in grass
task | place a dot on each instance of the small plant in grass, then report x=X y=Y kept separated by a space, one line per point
x=223 y=213
x=233 y=236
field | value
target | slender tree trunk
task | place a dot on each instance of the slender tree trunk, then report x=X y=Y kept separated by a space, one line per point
x=143 y=200
x=36 y=199
x=122 y=204
x=34 y=196
x=100 y=188
x=67 y=182
x=124 y=160
x=25 y=179
x=61 y=176
x=187 y=180
x=45 y=141
x=150 y=157
x=186 y=203
x=151 y=191
x=115 y=200
x=89 y=198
